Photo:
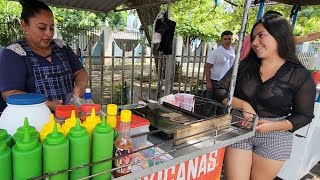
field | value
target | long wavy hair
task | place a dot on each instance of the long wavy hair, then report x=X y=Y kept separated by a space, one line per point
x=281 y=30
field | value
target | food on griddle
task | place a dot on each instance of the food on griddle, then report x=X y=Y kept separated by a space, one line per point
x=176 y=117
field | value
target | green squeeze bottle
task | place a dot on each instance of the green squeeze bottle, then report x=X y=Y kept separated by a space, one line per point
x=27 y=158
x=7 y=138
x=33 y=133
x=56 y=154
x=102 y=149
x=79 y=151
x=5 y=161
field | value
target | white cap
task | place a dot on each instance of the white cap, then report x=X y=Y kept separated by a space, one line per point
x=88 y=90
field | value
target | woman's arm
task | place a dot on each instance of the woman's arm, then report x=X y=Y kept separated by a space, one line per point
x=81 y=79
x=243 y=105
x=11 y=92
x=50 y=104
x=307 y=37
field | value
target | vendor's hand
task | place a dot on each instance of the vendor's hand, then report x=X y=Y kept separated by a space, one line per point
x=264 y=126
x=53 y=104
x=248 y=114
x=79 y=91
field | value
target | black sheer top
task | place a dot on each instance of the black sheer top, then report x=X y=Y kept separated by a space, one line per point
x=290 y=92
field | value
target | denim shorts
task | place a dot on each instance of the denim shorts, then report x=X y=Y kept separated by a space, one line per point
x=276 y=145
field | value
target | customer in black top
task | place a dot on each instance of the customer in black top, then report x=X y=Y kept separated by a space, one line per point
x=273 y=84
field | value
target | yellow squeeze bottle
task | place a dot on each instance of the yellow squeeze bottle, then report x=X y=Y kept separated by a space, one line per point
x=91 y=121
x=48 y=128
x=112 y=110
x=69 y=123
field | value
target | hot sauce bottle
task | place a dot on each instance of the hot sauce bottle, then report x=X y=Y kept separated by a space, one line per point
x=123 y=145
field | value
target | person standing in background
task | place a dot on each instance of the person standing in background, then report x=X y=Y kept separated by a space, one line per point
x=219 y=62
x=39 y=64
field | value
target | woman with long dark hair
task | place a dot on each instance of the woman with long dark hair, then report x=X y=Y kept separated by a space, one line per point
x=273 y=84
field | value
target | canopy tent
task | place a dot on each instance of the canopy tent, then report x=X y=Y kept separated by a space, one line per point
x=104 y=5
x=300 y=2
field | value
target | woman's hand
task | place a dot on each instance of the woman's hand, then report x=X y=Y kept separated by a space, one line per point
x=81 y=79
x=248 y=114
x=79 y=90
x=53 y=104
x=265 y=126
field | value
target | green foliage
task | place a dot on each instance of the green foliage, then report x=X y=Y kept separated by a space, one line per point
x=9 y=22
x=117 y=20
x=71 y=22
x=203 y=19
x=121 y=93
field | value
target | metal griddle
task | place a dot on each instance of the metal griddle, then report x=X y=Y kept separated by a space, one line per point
x=204 y=108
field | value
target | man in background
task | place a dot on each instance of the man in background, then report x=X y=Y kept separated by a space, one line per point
x=219 y=61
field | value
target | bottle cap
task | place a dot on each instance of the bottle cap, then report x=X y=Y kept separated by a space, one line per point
x=77 y=130
x=26 y=99
x=3 y=134
x=55 y=137
x=27 y=142
x=69 y=123
x=112 y=109
x=93 y=118
x=26 y=128
x=87 y=108
x=125 y=116
x=48 y=128
x=3 y=146
x=88 y=90
x=64 y=111
x=103 y=127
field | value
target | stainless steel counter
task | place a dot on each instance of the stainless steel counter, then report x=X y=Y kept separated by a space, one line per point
x=191 y=149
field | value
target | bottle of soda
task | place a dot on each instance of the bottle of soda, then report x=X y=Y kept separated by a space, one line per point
x=123 y=145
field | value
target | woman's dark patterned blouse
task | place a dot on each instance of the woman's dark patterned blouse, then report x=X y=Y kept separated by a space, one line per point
x=291 y=91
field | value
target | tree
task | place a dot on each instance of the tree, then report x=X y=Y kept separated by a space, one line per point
x=70 y=22
x=203 y=19
x=9 y=22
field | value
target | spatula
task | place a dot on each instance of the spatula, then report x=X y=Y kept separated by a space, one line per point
x=150 y=105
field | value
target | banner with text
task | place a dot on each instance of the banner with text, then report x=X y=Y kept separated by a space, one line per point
x=205 y=167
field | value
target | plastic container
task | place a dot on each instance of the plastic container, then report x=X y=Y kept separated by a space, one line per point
x=102 y=149
x=29 y=105
x=56 y=154
x=123 y=145
x=79 y=151
x=5 y=137
x=138 y=125
x=26 y=158
x=26 y=128
x=63 y=112
x=85 y=110
x=5 y=161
